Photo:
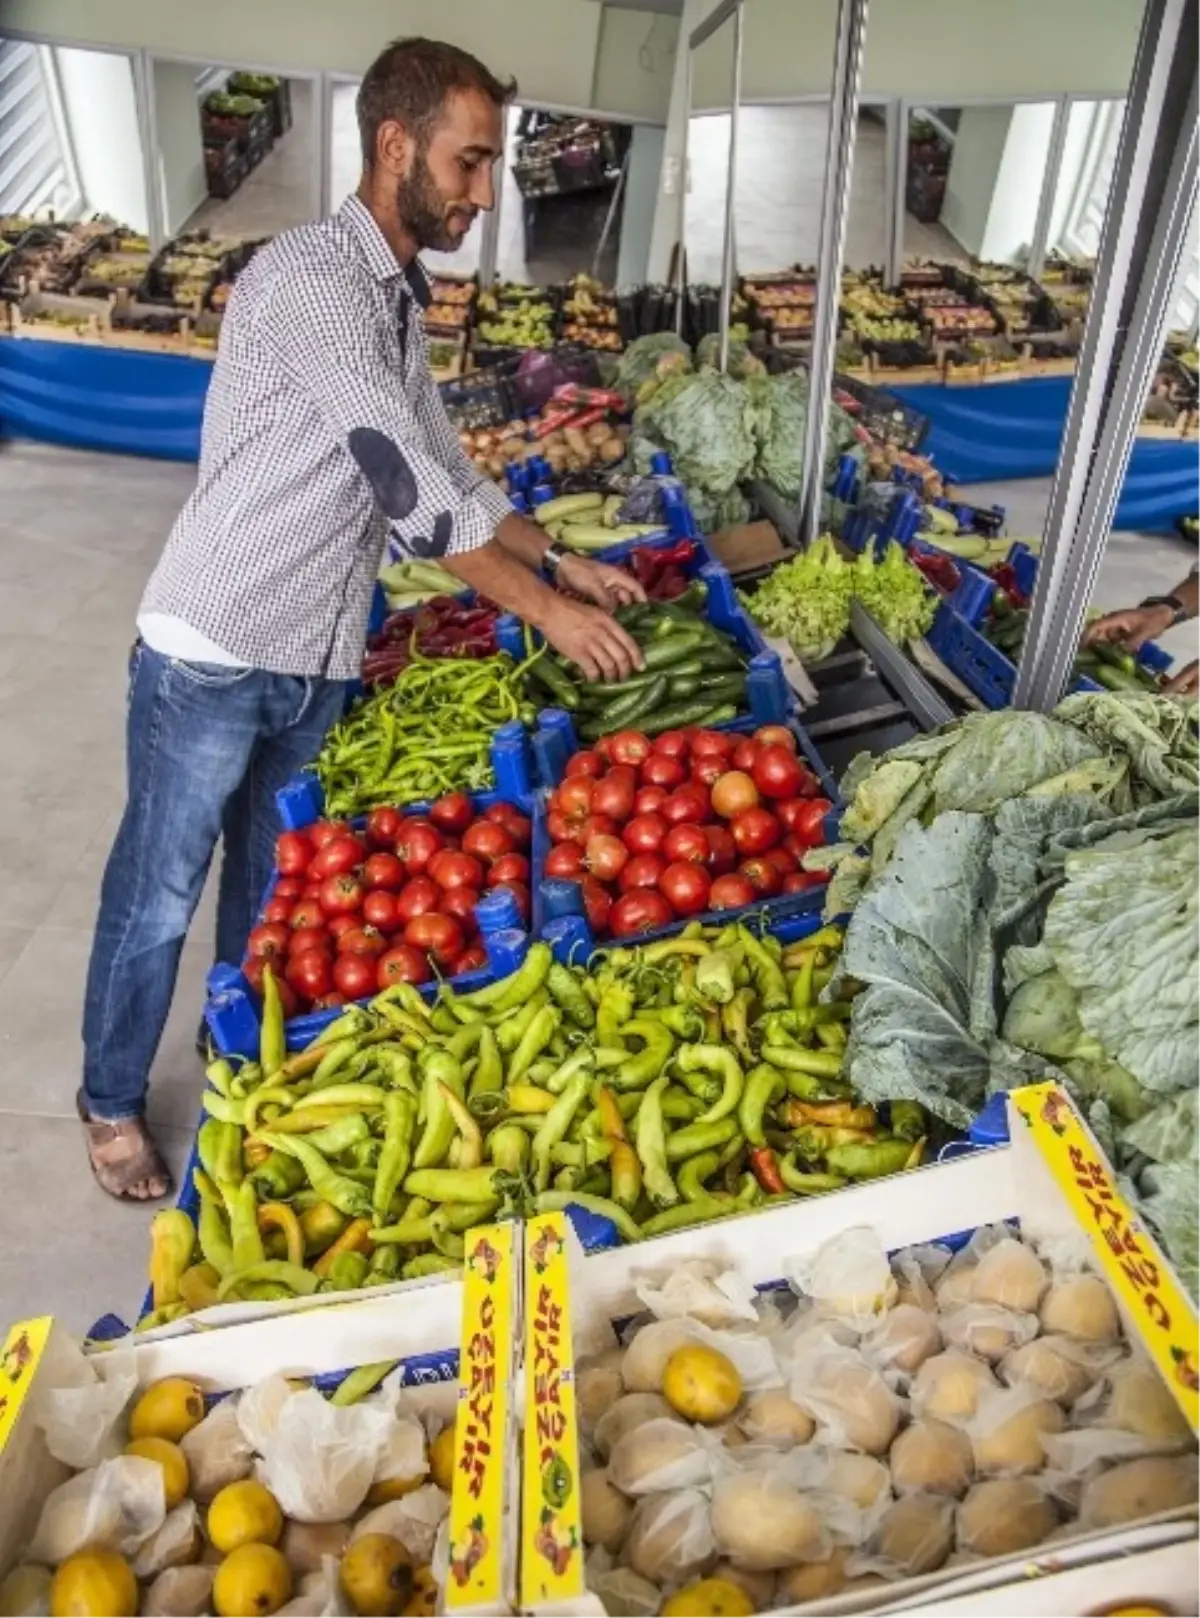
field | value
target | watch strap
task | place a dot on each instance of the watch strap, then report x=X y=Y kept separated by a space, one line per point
x=1177 y=607
x=552 y=560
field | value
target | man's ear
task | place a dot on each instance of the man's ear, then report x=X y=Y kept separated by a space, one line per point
x=394 y=148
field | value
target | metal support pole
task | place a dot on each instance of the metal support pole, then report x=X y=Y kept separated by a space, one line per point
x=1145 y=230
x=680 y=264
x=1050 y=179
x=610 y=216
x=893 y=201
x=839 y=164
x=895 y=246
x=728 y=250
x=146 y=112
x=322 y=157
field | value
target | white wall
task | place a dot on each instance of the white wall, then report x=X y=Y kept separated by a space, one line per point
x=974 y=168
x=1012 y=216
x=637 y=210
x=101 y=113
x=181 y=171
x=635 y=57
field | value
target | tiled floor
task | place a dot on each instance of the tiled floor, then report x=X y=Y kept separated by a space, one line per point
x=78 y=535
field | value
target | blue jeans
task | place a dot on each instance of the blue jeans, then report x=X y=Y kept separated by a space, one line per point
x=207 y=749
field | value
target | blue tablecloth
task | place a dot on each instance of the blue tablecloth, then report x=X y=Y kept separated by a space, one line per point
x=1012 y=430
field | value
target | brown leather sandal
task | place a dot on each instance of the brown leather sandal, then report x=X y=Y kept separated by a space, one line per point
x=123 y=1155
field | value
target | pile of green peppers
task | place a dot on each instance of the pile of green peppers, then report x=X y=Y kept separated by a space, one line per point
x=662 y=1086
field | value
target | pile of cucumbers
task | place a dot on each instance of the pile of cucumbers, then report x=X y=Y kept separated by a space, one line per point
x=1109 y=666
x=694 y=674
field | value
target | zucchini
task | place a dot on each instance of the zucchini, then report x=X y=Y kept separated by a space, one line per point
x=567 y=505
x=594 y=536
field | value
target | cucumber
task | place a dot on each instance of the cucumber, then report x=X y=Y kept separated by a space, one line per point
x=699 y=711
x=628 y=711
x=559 y=684
x=1114 y=679
x=567 y=505
x=1116 y=656
x=691 y=668
x=661 y=654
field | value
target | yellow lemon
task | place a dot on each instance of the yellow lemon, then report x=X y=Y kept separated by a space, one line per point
x=392 y=1489
x=377 y=1575
x=24 y=1590
x=708 y=1598
x=94 y=1583
x=252 y=1581
x=167 y=1409
x=425 y=1595
x=441 y=1458
x=243 y=1514
x=172 y=1460
x=701 y=1384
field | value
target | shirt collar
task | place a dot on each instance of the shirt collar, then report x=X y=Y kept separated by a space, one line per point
x=381 y=261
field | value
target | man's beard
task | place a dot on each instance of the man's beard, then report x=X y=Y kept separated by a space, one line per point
x=421 y=211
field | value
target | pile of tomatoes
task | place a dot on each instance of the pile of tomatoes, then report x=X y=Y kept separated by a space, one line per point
x=695 y=821
x=356 y=910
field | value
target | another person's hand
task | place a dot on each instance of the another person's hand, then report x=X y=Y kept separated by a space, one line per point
x=1131 y=627
x=1187 y=682
x=589 y=637
x=607 y=586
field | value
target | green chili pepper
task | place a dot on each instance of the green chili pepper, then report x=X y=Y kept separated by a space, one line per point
x=636 y=1072
x=714 y=976
x=339 y=1136
x=685 y=1022
x=579 y=1062
x=400 y=1118
x=428 y=1264
x=337 y=1053
x=361 y=1381
x=278 y=1272
x=691 y=1175
x=680 y=1107
x=516 y=989
x=685 y=1143
x=354 y=1020
x=223 y=1108
x=243 y=1226
x=454 y=1185
x=612 y=1013
x=908 y=1120
x=346 y=1195
x=346 y=1274
x=804 y=1184
x=364 y=1096
x=211 y=1230
x=764 y=1086
x=220 y=1076
x=565 y=989
x=489 y=1071
x=687 y=1213
x=508 y=1147
x=510 y=1029
x=406 y=997
x=767 y=973
x=438 y=1069
x=651 y=1142
x=812 y=1064
x=277 y=1177
x=698 y=1083
x=555 y=1125
x=273 y=1038
x=385 y=1267
x=466 y=1150
x=533 y=1041
x=735 y=1019
x=723 y=1064
x=560 y=1201
x=869 y=1160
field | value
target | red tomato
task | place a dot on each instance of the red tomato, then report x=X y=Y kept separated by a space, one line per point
x=487 y=841
x=341 y=894
x=712 y=744
x=269 y=939
x=744 y=754
x=379 y=910
x=450 y=869
x=565 y=860
x=338 y=855
x=587 y=762
x=755 y=831
x=573 y=797
x=277 y=909
x=643 y=871
x=293 y=852
x=355 y=976
x=460 y=903
x=472 y=959
x=708 y=770
x=778 y=773
x=671 y=744
x=324 y=831
x=800 y=881
x=734 y=792
x=383 y=827
x=765 y=878
x=731 y=892
x=416 y=898
x=788 y=810
x=604 y=748
x=722 y=850
x=362 y=941
x=329 y=1002
x=520 y=892
x=782 y=859
x=289 y=1000
x=597 y=904
x=644 y=834
x=689 y=803
x=416 y=845
x=338 y=925
x=401 y=964
x=649 y=800
x=663 y=770
x=614 y=793
x=518 y=826
x=629 y=747
x=685 y=887
x=438 y=935
x=310 y=973
x=309 y=938
x=775 y=736
x=508 y=868
x=252 y=971
x=288 y=887
x=383 y=871
x=308 y=913
x=808 y=828
x=605 y=857
x=452 y=812
x=638 y=912
x=686 y=843
x=598 y=826
x=560 y=828
x=312 y=890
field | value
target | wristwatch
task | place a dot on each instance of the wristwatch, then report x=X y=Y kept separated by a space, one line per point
x=552 y=560
x=1178 y=610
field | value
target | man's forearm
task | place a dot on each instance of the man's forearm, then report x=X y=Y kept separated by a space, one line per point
x=523 y=539
x=1188 y=595
x=495 y=570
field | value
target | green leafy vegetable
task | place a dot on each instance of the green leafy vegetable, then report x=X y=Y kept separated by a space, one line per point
x=894 y=592
x=807 y=600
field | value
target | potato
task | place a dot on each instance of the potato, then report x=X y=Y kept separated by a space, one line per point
x=670 y=1538
x=857 y=1478
x=761 y=1524
x=1081 y=1306
x=597 y=432
x=1138 y=1488
x=915 y=1534
x=1008 y=1436
x=645 y=1362
x=851 y=1401
x=953 y=1288
x=1052 y=1365
x=932 y=1458
x=814 y=1581
x=659 y=1455
x=610 y=450
x=598 y=1385
x=605 y=1512
x=771 y=1417
x=949 y=1385
x=304 y=1544
x=1004 y=1515
x=987 y=1330
x=1140 y=1402
x=1011 y=1275
x=633 y=1410
x=904 y=1339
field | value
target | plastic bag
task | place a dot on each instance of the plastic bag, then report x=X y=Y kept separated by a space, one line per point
x=80 y=1399
x=671 y=1536
x=177 y=1541
x=645 y=1362
x=181 y=1592
x=848 y=1277
x=902 y=1340
x=848 y=1398
x=916 y=1270
x=319 y=1459
x=986 y=1330
x=698 y=1290
x=414 y=1520
x=1007 y=1430
x=217 y=1451
x=404 y=1456
x=117 y=1505
x=761 y=1522
x=662 y=1455
x=260 y=1407
x=915 y=1535
x=629 y=1412
x=624 y=1593
x=1134 y=1397
x=1060 y=1367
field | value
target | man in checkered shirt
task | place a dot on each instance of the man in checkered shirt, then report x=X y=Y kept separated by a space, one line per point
x=324 y=439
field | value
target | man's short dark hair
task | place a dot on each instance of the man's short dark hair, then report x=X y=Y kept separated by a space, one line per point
x=410 y=81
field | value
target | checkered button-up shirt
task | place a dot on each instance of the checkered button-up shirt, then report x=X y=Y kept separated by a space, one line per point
x=323 y=435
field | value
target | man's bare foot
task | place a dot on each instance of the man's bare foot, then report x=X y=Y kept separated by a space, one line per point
x=123 y=1157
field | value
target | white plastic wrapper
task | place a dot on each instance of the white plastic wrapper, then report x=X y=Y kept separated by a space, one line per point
x=117 y=1504
x=260 y=1407
x=671 y=1536
x=1008 y=1431
x=217 y=1451
x=1001 y=1516
x=181 y=1592
x=1135 y=1398
x=848 y=1398
x=902 y=1340
x=697 y=1290
x=850 y=1490
x=848 y=1277
x=414 y=1520
x=630 y=1411
x=1138 y=1488
x=645 y=1362
x=1077 y=1454
x=915 y=1535
x=80 y=1401
x=621 y=1590
x=1011 y=1275
x=1062 y=1368
x=318 y=1595
x=404 y=1456
x=318 y=1460
x=916 y=1270
x=177 y=1541
x=664 y=1455
x=761 y=1522
x=987 y=1330
x=772 y=1417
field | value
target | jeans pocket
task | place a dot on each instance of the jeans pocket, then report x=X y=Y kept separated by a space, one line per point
x=211 y=676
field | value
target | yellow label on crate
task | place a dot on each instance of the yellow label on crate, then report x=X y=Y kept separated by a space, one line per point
x=476 y=1577
x=551 y=1530
x=1127 y=1253
x=23 y=1348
